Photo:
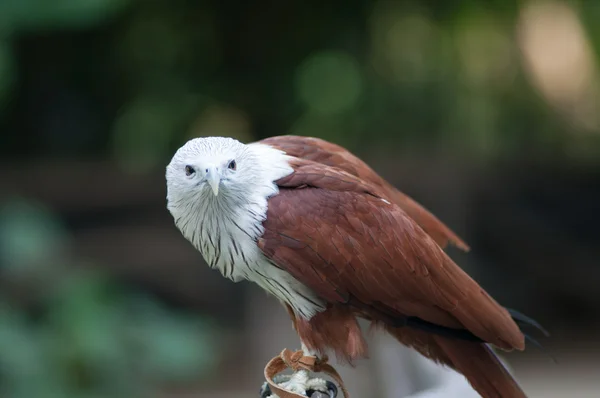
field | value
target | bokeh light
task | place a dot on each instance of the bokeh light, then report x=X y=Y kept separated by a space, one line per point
x=329 y=82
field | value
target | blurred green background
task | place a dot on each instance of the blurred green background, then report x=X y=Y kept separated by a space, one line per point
x=486 y=112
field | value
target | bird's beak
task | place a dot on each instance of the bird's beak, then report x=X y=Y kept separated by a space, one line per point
x=213 y=179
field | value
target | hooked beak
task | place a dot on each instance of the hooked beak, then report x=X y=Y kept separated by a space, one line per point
x=213 y=179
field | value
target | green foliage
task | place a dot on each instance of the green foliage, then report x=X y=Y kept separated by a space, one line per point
x=418 y=75
x=143 y=131
x=30 y=15
x=77 y=332
x=30 y=237
x=329 y=82
x=7 y=72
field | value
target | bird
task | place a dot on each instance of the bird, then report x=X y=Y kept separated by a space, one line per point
x=333 y=247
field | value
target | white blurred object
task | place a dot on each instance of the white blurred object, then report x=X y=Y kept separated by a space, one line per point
x=302 y=385
x=402 y=372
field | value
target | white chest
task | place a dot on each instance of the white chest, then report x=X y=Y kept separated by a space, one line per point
x=229 y=245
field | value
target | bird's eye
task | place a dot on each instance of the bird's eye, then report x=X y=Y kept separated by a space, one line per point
x=189 y=170
x=232 y=165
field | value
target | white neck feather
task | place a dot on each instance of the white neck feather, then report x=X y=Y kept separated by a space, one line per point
x=225 y=228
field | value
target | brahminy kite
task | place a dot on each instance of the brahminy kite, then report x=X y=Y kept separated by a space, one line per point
x=334 y=242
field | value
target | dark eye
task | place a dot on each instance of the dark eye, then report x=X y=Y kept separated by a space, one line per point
x=189 y=170
x=232 y=165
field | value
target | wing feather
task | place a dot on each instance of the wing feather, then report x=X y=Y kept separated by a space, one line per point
x=335 y=234
x=333 y=155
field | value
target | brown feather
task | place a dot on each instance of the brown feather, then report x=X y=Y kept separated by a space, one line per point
x=336 y=329
x=333 y=155
x=422 y=342
x=482 y=368
x=475 y=361
x=334 y=233
x=340 y=238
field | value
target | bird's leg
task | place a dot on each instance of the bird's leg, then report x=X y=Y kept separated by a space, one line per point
x=298 y=382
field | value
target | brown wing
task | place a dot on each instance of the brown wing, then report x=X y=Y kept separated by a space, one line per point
x=334 y=233
x=330 y=154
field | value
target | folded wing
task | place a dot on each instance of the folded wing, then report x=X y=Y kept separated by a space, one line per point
x=333 y=155
x=338 y=235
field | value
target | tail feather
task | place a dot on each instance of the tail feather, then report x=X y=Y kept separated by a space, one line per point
x=482 y=368
x=476 y=361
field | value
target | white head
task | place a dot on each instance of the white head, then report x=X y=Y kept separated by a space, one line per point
x=217 y=192
x=205 y=167
x=218 y=174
